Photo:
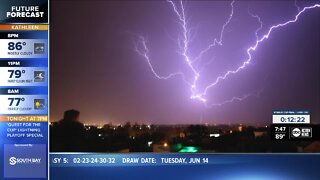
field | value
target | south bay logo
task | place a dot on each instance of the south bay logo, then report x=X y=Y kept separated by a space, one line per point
x=14 y=161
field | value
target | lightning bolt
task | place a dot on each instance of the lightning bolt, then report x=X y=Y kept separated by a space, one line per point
x=255 y=46
x=144 y=52
x=296 y=5
x=233 y=99
x=184 y=41
x=215 y=41
x=184 y=46
x=237 y=98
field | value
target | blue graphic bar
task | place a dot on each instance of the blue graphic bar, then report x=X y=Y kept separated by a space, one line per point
x=185 y=166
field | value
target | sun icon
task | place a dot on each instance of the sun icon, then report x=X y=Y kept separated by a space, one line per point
x=38 y=104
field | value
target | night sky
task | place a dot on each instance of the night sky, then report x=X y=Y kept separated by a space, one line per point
x=95 y=69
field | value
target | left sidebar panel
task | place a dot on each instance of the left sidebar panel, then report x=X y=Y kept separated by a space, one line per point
x=24 y=98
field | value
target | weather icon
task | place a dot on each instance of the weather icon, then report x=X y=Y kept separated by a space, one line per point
x=39 y=48
x=39 y=76
x=39 y=104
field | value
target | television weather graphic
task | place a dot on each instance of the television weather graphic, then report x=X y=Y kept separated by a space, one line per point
x=24 y=89
x=172 y=89
x=39 y=76
x=39 y=48
x=292 y=125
